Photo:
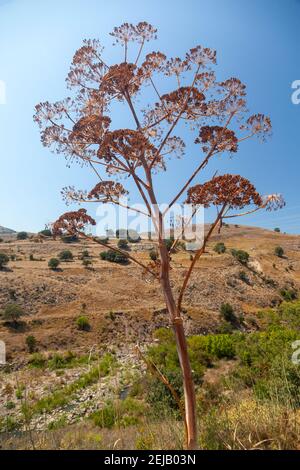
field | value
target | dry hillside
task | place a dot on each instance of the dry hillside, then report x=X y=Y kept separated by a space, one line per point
x=121 y=304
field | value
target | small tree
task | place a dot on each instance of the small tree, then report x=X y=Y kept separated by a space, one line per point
x=22 y=236
x=4 y=260
x=12 y=313
x=66 y=255
x=220 y=248
x=279 y=251
x=277 y=229
x=53 y=264
x=80 y=128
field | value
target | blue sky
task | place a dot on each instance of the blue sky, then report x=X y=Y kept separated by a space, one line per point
x=256 y=41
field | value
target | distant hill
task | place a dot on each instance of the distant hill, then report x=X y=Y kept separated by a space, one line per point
x=6 y=231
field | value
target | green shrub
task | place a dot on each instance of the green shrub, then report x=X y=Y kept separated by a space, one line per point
x=244 y=277
x=37 y=360
x=113 y=257
x=123 y=244
x=289 y=294
x=4 y=260
x=31 y=343
x=10 y=405
x=85 y=254
x=216 y=346
x=220 y=248
x=86 y=262
x=12 y=313
x=83 y=323
x=158 y=394
x=227 y=313
x=279 y=251
x=46 y=232
x=277 y=229
x=241 y=255
x=66 y=255
x=53 y=263
x=22 y=236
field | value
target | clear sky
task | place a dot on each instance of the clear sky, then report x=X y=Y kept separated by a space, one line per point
x=256 y=41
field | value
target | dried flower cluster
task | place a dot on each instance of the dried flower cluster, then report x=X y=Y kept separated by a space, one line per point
x=72 y=222
x=218 y=138
x=233 y=191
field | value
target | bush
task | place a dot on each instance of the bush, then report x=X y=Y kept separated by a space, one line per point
x=227 y=313
x=54 y=263
x=153 y=255
x=220 y=248
x=289 y=294
x=241 y=255
x=37 y=360
x=104 y=240
x=279 y=251
x=46 y=233
x=243 y=277
x=123 y=413
x=12 y=313
x=277 y=229
x=216 y=346
x=83 y=323
x=123 y=244
x=31 y=343
x=85 y=254
x=113 y=257
x=4 y=260
x=70 y=238
x=66 y=255
x=159 y=396
x=87 y=262
x=22 y=236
